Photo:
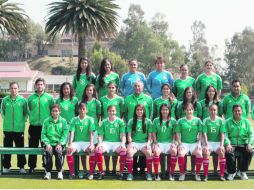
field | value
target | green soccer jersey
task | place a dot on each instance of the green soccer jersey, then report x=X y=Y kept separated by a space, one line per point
x=117 y=101
x=189 y=129
x=111 y=131
x=103 y=90
x=54 y=133
x=39 y=108
x=205 y=109
x=180 y=85
x=138 y=135
x=14 y=113
x=239 y=132
x=229 y=100
x=157 y=104
x=68 y=108
x=82 y=128
x=94 y=110
x=80 y=85
x=164 y=132
x=213 y=129
x=132 y=100
x=180 y=112
x=203 y=81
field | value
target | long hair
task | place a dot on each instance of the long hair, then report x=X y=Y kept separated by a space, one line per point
x=215 y=98
x=85 y=97
x=169 y=114
x=193 y=98
x=88 y=68
x=61 y=90
x=102 y=71
x=135 y=118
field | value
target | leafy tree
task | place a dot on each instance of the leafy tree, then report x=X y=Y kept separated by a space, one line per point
x=83 y=18
x=159 y=24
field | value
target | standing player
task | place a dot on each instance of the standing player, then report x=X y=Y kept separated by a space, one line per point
x=14 y=113
x=183 y=82
x=164 y=140
x=158 y=77
x=83 y=77
x=189 y=135
x=208 y=78
x=214 y=135
x=39 y=105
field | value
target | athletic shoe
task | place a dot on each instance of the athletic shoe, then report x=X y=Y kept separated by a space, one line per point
x=121 y=177
x=22 y=171
x=60 y=176
x=100 y=176
x=6 y=170
x=182 y=177
x=171 y=177
x=149 y=177
x=230 y=177
x=197 y=177
x=129 y=177
x=239 y=174
x=206 y=178
x=31 y=171
x=90 y=176
x=47 y=176
x=222 y=178
x=113 y=172
x=157 y=177
x=244 y=176
x=81 y=175
x=71 y=176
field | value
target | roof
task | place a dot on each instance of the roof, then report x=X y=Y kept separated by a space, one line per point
x=14 y=66
x=25 y=74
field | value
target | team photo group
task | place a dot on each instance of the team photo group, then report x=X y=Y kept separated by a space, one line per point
x=154 y=114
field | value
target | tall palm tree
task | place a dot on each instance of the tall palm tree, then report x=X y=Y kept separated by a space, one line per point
x=83 y=18
x=12 y=18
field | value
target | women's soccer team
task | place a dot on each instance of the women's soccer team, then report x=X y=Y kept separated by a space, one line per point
x=155 y=115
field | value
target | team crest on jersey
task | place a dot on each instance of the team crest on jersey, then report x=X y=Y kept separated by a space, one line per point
x=208 y=83
x=164 y=77
x=60 y=125
x=82 y=81
x=214 y=78
x=242 y=101
x=66 y=108
x=19 y=104
x=144 y=103
x=244 y=126
x=194 y=123
x=45 y=99
x=115 y=125
x=81 y=128
x=86 y=122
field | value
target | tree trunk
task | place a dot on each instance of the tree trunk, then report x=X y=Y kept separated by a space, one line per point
x=81 y=45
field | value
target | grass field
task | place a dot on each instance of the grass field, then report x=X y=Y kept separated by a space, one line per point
x=36 y=182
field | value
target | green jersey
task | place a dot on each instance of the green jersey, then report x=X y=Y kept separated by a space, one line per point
x=189 y=129
x=164 y=132
x=229 y=100
x=180 y=85
x=205 y=109
x=68 y=108
x=94 y=110
x=131 y=101
x=80 y=85
x=54 y=133
x=103 y=90
x=180 y=112
x=238 y=132
x=117 y=101
x=14 y=113
x=39 y=108
x=203 y=81
x=213 y=129
x=157 y=104
x=82 y=128
x=111 y=131
x=138 y=135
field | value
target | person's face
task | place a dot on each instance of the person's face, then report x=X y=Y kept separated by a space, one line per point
x=14 y=89
x=165 y=90
x=209 y=67
x=189 y=111
x=159 y=65
x=138 y=88
x=236 y=88
x=184 y=71
x=139 y=112
x=164 y=111
x=40 y=86
x=66 y=90
x=107 y=66
x=82 y=111
x=89 y=91
x=55 y=113
x=189 y=94
x=237 y=113
x=133 y=65
x=84 y=64
x=213 y=111
x=111 y=89
x=112 y=112
x=211 y=92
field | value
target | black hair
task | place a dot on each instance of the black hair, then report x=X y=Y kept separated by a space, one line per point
x=85 y=97
x=102 y=71
x=169 y=114
x=135 y=118
x=215 y=98
x=193 y=99
x=61 y=90
x=88 y=68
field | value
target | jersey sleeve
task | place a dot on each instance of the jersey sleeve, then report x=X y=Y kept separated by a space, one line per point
x=122 y=127
x=72 y=125
x=149 y=126
x=129 y=126
x=149 y=83
x=74 y=82
x=199 y=110
x=92 y=125
x=205 y=126
x=64 y=133
x=44 y=130
x=219 y=82
x=122 y=85
x=101 y=129
x=178 y=127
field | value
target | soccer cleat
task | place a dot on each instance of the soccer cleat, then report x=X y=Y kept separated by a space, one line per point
x=47 y=176
x=121 y=177
x=157 y=177
x=22 y=171
x=205 y=178
x=171 y=177
x=100 y=176
x=31 y=171
x=244 y=176
x=182 y=177
x=129 y=177
x=239 y=174
x=60 y=176
x=222 y=178
x=197 y=177
x=6 y=170
x=90 y=176
x=71 y=176
x=149 y=177
x=230 y=177
x=81 y=175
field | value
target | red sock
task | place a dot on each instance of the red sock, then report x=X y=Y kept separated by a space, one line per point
x=70 y=162
x=129 y=162
x=181 y=164
x=205 y=166
x=156 y=163
x=222 y=166
x=149 y=162
x=172 y=164
x=99 y=160
x=122 y=161
x=198 y=162
x=92 y=160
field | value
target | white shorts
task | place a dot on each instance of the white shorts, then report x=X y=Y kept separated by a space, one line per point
x=213 y=146
x=165 y=147
x=139 y=146
x=111 y=146
x=189 y=147
x=81 y=146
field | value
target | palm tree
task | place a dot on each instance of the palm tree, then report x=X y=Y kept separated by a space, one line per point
x=83 y=18
x=12 y=18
